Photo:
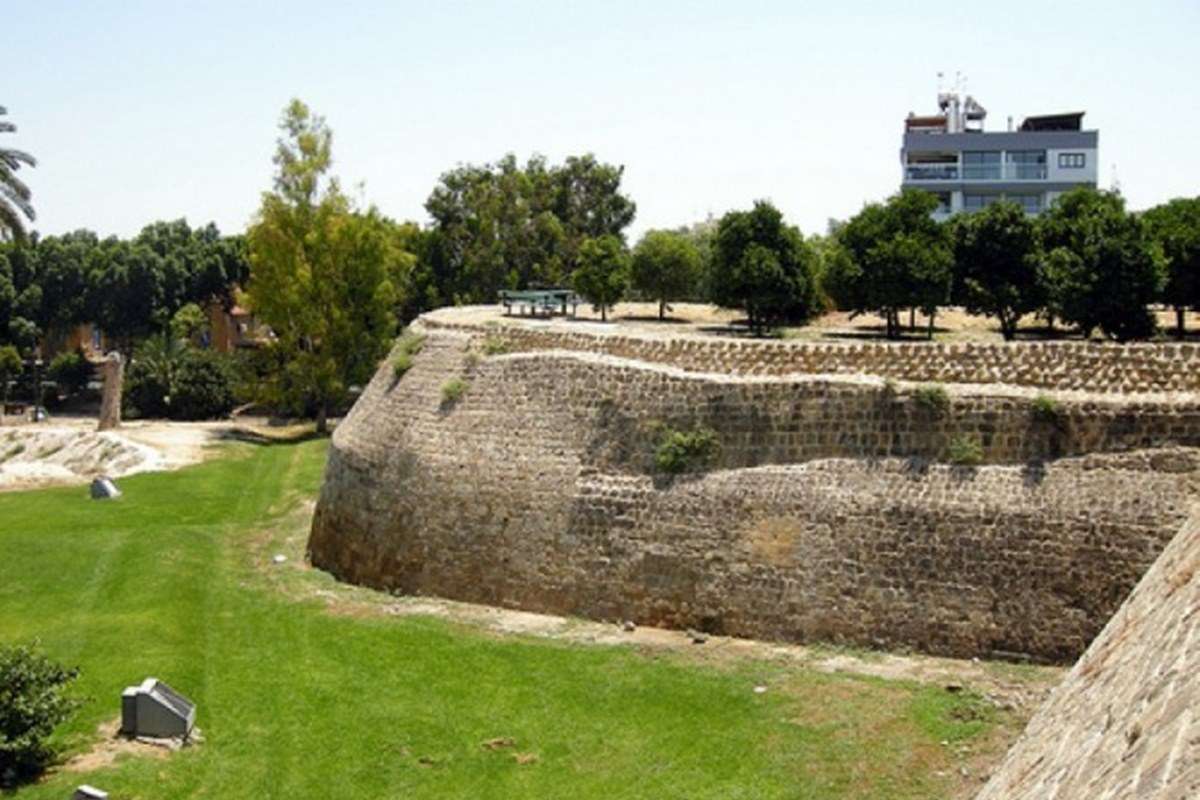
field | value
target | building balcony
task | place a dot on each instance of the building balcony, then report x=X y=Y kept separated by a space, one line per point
x=976 y=172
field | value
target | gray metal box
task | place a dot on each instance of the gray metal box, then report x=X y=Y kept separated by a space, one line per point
x=156 y=710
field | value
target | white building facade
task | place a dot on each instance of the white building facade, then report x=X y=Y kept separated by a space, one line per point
x=967 y=168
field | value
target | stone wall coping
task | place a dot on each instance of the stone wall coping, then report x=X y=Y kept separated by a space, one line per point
x=864 y=381
x=461 y=317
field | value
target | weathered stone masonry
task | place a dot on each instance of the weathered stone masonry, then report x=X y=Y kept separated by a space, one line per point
x=830 y=513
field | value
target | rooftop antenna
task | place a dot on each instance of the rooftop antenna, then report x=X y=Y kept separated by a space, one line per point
x=941 y=79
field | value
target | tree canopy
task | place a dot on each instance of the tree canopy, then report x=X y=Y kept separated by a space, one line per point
x=763 y=266
x=602 y=272
x=666 y=267
x=892 y=256
x=322 y=274
x=1176 y=227
x=1102 y=267
x=996 y=255
x=507 y=226
x=15 y=196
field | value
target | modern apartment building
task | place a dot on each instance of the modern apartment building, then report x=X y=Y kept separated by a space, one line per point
x=951 y=155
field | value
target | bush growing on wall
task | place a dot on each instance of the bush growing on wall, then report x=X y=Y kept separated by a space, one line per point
x=932 y=399
x=453 y=390
x=32 y=704
x=685 y=451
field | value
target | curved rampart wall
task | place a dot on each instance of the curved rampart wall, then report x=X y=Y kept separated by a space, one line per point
x=829 y=513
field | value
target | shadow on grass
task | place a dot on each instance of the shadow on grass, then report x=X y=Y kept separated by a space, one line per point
x=267 y=437
x=653 y=319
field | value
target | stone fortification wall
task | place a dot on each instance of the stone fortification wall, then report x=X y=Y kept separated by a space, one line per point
x=1062 y=366
x=1125 y=723
x=826 y=514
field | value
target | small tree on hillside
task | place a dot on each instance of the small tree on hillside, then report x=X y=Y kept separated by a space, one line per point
x=666 y=267
x=996 y=264
x=321 y=274
x=602 y=272
x=1102 y=268
x=893 y=256
x=1176 y=227
x=763 y=266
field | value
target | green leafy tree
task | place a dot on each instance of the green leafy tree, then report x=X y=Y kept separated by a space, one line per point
x=602 y=272
x=508 y=226
x=1176 y=227
x=10 y=369
x=32 y=704
x=1102 y=267
x=763 y=266
x=893 y=256
x=321 y=274
x=996 y=256
x=189 y=323
x=666 y=267
x=14 y=193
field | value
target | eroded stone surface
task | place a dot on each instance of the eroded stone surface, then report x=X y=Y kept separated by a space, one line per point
x=1125 y=723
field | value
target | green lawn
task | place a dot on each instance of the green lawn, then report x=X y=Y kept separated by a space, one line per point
x=298 y=702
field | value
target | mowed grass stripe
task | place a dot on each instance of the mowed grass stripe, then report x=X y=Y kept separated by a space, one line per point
x=297 y=702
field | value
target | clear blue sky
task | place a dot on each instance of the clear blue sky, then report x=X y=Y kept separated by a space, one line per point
x=156 y=110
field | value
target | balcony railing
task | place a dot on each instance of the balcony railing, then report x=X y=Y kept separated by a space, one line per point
x=975 y=172
x=931 y=172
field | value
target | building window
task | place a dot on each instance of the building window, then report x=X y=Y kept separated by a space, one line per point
x=981 y=165
x=1032 y=203
x=1026 y=165
x=1072 y=160
x=975 y=202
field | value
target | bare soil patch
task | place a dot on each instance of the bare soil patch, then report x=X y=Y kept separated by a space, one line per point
x=112 y=745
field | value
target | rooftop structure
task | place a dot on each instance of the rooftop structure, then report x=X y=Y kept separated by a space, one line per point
x=968 y=168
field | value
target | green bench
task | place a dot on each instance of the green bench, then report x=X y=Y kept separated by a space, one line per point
x=539 y=301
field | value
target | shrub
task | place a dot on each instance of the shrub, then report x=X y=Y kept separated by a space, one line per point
x=32 y=704
x=203 y=387
x=454 y=389
x=407 y=346
x=71 y=371
x=685 y=451
x=195 y=384
x=965 y=450
x=494 y=346
x=933 y=399
x=1045 y=408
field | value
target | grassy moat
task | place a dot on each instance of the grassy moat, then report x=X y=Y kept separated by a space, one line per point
x=301 y=696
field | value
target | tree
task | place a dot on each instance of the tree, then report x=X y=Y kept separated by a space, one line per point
x=321 y=274
x=602 y=272
x=1176 y=227
x=763 y=266
x=894 y=256
x=666 y=267
x=1102 y=267
x=10 y=367
x=14 y=193
x=996 y=258
x=508 y=226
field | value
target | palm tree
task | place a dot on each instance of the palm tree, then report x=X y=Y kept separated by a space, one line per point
x=14 y=194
